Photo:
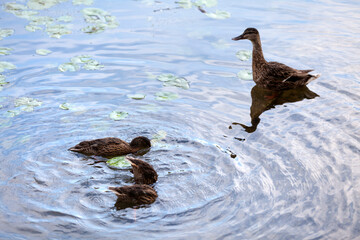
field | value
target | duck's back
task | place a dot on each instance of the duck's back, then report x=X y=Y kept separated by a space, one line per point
x=135 y=194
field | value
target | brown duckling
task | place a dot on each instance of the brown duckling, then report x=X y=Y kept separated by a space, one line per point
x=273 y=75
x=144 y=173
x=135 y=194
x=111 y=147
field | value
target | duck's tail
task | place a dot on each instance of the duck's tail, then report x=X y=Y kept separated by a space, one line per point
x=312 y=78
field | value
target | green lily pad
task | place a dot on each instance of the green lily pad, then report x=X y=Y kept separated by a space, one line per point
x=136 y=96
x=218 y=14
x=71 y=67
x=185 y=3
x=243 y=55
x=41 y=20
x=245 y=75
x=6 y=33
x=14 y=7
x=43 y=52
x=43 y=4
x=25 y=14
x=93 y=65
x=56 y=31
x=81 y=59
x=2 y=78
x=82 y=2
x=13 y=113
x=206 y=3
x=66 y=18
x=94 y=29
x=32 y=28
x=102 y=20
x=5 y=50
x=26 y=101
x=119 y=162
x=118 y=115
x=166 y=96
x=172 y=80
x=64 y=106
x=6 y=65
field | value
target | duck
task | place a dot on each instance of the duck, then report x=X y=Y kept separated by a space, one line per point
x=273 y=75
x=136 y=194
x=144 y=173
x=111 y=147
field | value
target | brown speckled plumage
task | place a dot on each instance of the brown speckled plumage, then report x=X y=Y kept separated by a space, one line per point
x=144 y=173
x=135 y=194
x=273 y=75
x=111 y=147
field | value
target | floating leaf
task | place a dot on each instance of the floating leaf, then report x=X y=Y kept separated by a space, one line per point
x=100 y=18
x=43 y=4
x=245 y=75
x=2 y=80
x=243 y=55
x=26 y=101
x=94 y=29
x=25 y=14
x=41 y=20
x=172 y=80
x=185 y=3
x=14 y=7
x=118 y=162
x=158 y=137
x=66 y=18
x=81 y=59
x=56 y=31
x=43 y=52
x=165 y=96
x=83 y=2
x=6 y=33
x=93 y=65
x=6 y=65
x=13 y=113
x=148 y=2
x=71 y=67
x=219 y=14
x=136 y=96
x=64 y=106
x=206 y=3
x=32 y=28
x=118 y=115
x=5 y=50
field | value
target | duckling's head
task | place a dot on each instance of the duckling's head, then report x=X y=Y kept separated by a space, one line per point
x=140 y=142
x=250 y=33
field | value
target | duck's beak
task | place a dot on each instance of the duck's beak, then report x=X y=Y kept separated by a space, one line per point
x=240 y=37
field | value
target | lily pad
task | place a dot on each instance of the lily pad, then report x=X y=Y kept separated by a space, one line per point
x=14 y=7
x=6 y=65
x=5 y=50
x=206 y=3
x=165 y=96
x=243 y=55
x=172 y=80
x=71 y=67
x=119 y=162
x=94 y=29
x=64 y=106
x=218 y=14
x=41 y=20
x=56 y=31
x=100 y=18
x=13 y=113
x=83 y=2
x=185 y=3
x=26 y=101
x=2 y=80
x=81 y=59
x=245 y=75
x=136 y=96
x=118 y=115
x=43 y=52
x=93 y=65
x=32 y=28
x=43 y=4
x=6 y=33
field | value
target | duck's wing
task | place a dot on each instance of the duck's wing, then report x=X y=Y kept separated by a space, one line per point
x=281 y=72
x=93 y=146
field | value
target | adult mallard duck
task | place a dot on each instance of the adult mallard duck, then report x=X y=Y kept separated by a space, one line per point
x=134 y=195
x=144 y=173
x=273 y=75
x=111 y=147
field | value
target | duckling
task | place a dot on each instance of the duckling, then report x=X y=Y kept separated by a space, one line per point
x=273 y=75
x=111 y=147
x=135 y=194
x=144 y=173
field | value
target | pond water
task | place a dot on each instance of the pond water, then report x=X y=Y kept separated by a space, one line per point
x=234 y=161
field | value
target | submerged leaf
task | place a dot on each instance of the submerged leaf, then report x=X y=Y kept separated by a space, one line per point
x=119 y=162
x=245 y=74
x=6 y=65
x=243 y=55
x=5 y=50
x=71 y=67
x=118 y=115
x=165 y=96
x=6 y=33
x=43 y=52
x=136 y=96
x=218 y=14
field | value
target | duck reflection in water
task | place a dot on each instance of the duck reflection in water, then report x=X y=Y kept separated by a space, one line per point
x=264 y=99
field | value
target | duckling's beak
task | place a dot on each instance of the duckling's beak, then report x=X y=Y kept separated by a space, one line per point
x=240 y=37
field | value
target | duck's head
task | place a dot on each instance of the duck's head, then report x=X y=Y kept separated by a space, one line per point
x=140 y=143
x=249 y=33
